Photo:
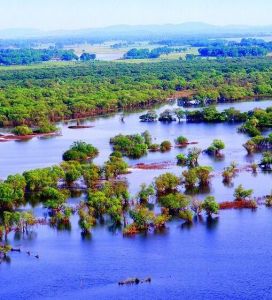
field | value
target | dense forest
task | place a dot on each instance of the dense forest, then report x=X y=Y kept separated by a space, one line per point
x=246 y=47
x=154 y=53
x=29 y=56
x=57 y=91
x=233 y=51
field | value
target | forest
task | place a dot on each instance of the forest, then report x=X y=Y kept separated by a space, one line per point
x=154 y=53
x=29 y=56
x=77 y=89
x=246 y=47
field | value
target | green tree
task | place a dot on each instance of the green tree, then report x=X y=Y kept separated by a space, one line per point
x=210 y=206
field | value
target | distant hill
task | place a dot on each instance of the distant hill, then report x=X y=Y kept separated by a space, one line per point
x=142 y=31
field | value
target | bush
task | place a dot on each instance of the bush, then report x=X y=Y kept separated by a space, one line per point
x=133 y=146
x=181 y=140
x=210 y=206
x=46 y=127
x=167 y=182
x=22 y=130
x=165 y=146
x=241 y=194
x=80 y=151
x=182 y=159
x=174 y=202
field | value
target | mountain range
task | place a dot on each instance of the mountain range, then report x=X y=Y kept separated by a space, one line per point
x=145 y=31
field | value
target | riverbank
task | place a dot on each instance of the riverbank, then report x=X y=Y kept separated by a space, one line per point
x=12 y=137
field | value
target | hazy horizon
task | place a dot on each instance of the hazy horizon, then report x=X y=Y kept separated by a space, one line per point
x=50 y=15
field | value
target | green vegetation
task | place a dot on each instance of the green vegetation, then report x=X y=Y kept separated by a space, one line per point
x=166 y=183
x=199 y=175
x=229 y=173
x=241 y=194
x=165 y=146
x=80 y=151
x=22 y=130
x=154 y=53
x=259 y=143
x=28 y=56
x=181 y=141
x=266 y=161
x=215 y=147
x=61 y=91
x=210 y=206
x=134 y=146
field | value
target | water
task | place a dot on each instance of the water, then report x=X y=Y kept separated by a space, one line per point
x=228 y=258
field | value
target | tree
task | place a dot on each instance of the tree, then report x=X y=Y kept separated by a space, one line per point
x=174 y=202
x=91 y=174
x=165 y=146
x=73 y=171
x=193 y=155
x=196 y=206
x=87 y=56
x=166 y=183
x=53 y=197
x=86 y=218
x=22 y=130
x=266 y=161
x=6 y=196
x=80 y=151
x=133 y=146
x=215 y=147
x=45 y=126
x=181 y=141
x=145 y=193
x=210 y=206
x=186 y=215
x=180 y=114
x=190 y=178
x=182 y=159
x=18 y=183
x=114 y=167
x=38 y=179
x=98 y=201
x=147 y=138
x=203 y=173
x=241 y=194
x=141 y=217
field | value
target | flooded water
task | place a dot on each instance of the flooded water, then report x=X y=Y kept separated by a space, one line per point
x=227 y=258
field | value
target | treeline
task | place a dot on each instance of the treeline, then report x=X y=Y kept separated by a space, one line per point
x=247 y=47
x=146 y=53
x=29 y=56
x=31 y=94
x=233 y=51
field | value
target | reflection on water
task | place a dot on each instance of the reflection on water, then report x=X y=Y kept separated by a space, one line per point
x=195 y=260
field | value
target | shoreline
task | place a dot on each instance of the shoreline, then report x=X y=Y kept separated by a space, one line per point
x=148 y=105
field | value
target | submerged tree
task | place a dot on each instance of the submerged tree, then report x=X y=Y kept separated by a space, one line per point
x=241 y=194
x=210 y=206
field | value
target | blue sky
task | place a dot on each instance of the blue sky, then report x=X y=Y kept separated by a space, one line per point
x=74 y=14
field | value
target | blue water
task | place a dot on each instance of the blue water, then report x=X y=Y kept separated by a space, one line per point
x=229 y=257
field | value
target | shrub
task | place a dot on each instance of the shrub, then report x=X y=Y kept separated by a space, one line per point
x=22 y=130
x=210 y=206
x=241 y=194
x=80 y=151
x=181 y=140
x=167 y=182
x=174 y=202
x=165 y=146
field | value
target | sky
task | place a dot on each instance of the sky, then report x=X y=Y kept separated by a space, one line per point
x=77 y=14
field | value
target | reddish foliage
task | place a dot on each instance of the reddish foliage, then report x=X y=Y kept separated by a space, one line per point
x=11 y=137
x=237 y=204
x=153 y=166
